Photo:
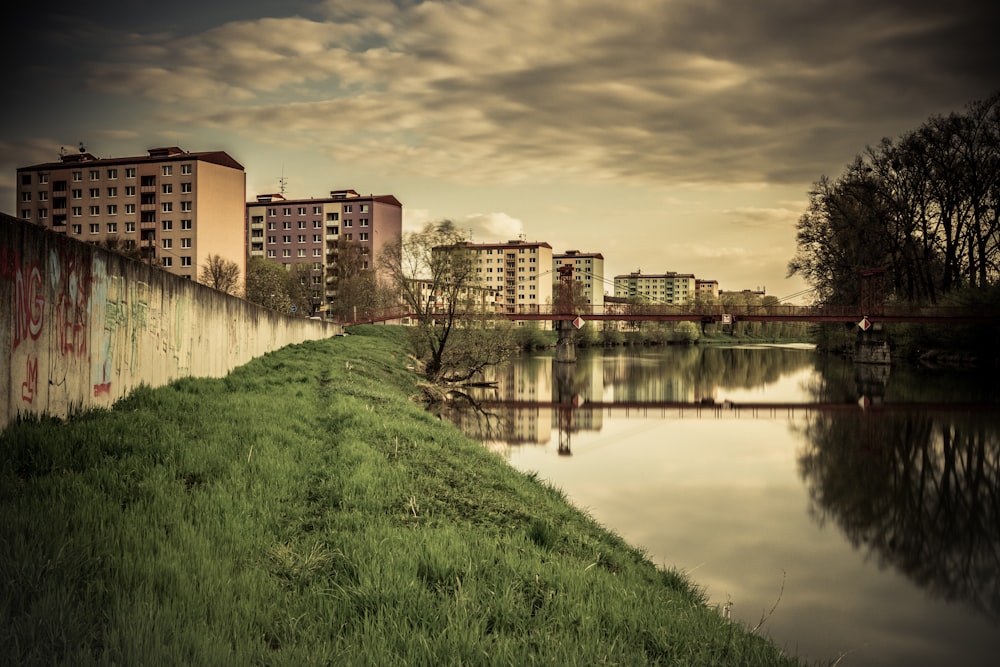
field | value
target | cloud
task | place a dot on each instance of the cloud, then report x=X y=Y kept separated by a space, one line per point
x=677 y=92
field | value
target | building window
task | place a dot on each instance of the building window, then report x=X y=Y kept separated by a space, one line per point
x=302 y=224
x=317 y=224
x=168 y=261
x=130 y=209
x=95 y=210
x=363 y=208
x=129 y=227
x=77 y=176
x=129 y=190
x=287 y=238
x=348 y=223
x=95 y=193
x=302 y=238
x=364 y=222
x=186 y=242
x=25 y=196
x=286 y=225
x=301 y=252
x=363 y=236
x=77 y=211
x=112 y=228
x=186 y=169
x=272 y=239
x=78 y=229
x=347 y=208
x=185 y=224
x=129 y=172
x=185 y=261
x=332 y=217
x=112 y=209
x=317 y=210
x=317 y=238
x=272 y=254
x=77 y=193
x=95 y=228
x=317 y=252
x=168 y=170
x=287 y=210
x=112 y=174
x=286 y=253
x=186 y=206
x=95 y=174
x=168 y=244
x=167 y=188
x=186 y=188
x=167 y=206
x=302 y=210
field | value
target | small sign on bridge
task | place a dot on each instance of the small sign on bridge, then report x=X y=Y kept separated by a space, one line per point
x=865 y=324
x=578 y=322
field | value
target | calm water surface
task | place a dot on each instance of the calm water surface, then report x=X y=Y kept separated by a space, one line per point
x=852 y=517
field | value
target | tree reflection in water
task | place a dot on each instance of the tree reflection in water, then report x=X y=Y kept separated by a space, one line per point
x=920 y=492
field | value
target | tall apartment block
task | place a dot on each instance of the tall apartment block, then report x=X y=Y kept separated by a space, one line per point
x=588 y=273
x=519 y=271
x=669 y=287
x=307 y=232
x=176 y=207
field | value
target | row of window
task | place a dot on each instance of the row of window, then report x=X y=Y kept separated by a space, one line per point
x=111 y=174
x=489 y=251
x=316 y=210
x=110 y=192
x=317 y=238
x=129 y=228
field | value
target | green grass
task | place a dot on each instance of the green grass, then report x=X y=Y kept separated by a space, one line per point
x=304 y=511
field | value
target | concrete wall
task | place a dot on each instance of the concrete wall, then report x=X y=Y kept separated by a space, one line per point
x=81 y=327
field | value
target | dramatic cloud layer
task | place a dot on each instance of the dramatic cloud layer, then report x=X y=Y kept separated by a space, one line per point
x=717 y=96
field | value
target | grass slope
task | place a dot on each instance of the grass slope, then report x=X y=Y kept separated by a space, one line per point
x=304 y=511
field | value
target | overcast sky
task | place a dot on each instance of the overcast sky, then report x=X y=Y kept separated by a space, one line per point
x=670 y=135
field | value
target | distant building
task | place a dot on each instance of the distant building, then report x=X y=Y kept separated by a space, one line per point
x=669 y=287
x=307 y=231
x=588 y=273
x=708 y=290
x=175 y=207
x=518 y=272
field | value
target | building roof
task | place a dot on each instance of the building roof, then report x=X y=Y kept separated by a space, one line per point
x=164 y=154
x=335 y=196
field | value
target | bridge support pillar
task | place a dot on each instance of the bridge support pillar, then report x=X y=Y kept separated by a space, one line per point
x=565 y=343
x=872 y=347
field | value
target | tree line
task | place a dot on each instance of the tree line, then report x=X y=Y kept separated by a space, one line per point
x=924 y=208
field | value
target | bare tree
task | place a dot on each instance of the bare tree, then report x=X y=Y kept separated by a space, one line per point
x=457 y=333
x=221 y=274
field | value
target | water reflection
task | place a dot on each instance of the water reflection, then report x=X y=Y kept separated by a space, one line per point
x=674 y=449
x=919 y=492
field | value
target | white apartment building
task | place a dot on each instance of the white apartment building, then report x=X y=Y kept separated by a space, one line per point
x=520 y=272
x=670 y=287
x=588 y=273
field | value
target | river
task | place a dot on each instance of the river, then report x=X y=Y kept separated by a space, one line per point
x=848 y=513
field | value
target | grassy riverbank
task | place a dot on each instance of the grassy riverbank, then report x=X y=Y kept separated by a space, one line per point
x=304 y=511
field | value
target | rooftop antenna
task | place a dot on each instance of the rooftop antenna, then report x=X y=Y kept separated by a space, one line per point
x=282 y=182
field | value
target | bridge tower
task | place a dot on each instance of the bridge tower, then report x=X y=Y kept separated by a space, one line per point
x=872 y=346
x=565 y=343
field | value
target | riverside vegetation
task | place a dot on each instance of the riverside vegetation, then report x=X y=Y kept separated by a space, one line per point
x=305 y=511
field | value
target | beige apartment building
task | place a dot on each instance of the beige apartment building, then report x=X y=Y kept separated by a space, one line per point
x=707 y=290
x=588 y=273
x=308 y=231
x=175 y=207
x=669 y=287
x=518 y=271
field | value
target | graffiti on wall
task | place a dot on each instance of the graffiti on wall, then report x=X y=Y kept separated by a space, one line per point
x=126 y=319
x=29 y=296
x=71 y=281
x=30 y=385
